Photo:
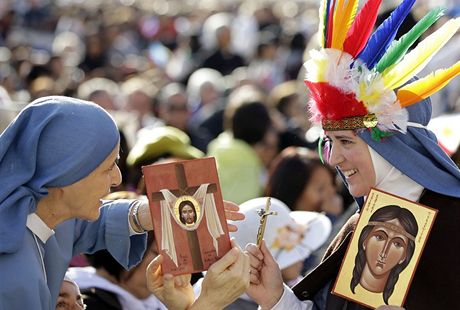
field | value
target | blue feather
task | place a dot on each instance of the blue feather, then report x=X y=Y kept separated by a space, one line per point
x=384 y=35
x=326 y=20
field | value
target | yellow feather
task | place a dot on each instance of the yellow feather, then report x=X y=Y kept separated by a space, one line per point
x=343 y=19
x=417 y=59
x=423 y=88
x=321 y=25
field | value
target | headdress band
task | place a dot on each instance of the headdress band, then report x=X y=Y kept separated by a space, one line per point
x=393 y=227
x=350 y=123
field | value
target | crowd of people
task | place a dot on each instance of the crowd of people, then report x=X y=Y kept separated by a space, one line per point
x=92 y=91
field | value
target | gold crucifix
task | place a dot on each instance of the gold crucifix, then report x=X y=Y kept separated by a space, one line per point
x=263 y=220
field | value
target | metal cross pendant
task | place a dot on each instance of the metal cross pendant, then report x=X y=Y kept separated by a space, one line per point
x=263 y=220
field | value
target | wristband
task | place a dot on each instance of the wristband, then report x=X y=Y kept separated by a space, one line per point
x=135 y=217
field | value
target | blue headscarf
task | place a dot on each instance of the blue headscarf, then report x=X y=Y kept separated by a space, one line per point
x=418 y=155
x=54 y=142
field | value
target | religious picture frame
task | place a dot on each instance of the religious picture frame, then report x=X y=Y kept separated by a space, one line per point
x=384 y=251
x=188 y=214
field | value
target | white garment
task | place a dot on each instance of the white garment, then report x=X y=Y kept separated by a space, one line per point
x=86 y=277
x=38 y=227
x=289 y=301
x=391 y=180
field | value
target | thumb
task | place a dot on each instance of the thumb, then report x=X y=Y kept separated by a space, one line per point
x=155 y=265
x=168 y=282
x=268 y=258
x=168 y=288
x=226 y=261
x=153 y=273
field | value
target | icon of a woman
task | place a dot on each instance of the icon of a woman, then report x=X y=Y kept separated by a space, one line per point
x=385 y=247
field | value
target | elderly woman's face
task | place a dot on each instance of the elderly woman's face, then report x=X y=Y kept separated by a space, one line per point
x=349 y=153
x=83 y=198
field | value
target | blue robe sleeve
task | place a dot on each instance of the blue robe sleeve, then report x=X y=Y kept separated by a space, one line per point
x=111 y=232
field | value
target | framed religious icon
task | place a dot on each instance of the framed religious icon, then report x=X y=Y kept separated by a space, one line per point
x=188 y=214
x=384 y=251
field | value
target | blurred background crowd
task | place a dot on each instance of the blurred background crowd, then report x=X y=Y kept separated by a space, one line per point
x=191 y=78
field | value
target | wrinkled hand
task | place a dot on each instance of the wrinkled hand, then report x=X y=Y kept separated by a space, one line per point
x=386 y=307
x=225 y=280
x=232 y=213
x=266 y=287
x=144 y=216
x=175 y=292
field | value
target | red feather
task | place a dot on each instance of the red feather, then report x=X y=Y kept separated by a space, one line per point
x=362 y=28
x=330 y=25
x=331 y=103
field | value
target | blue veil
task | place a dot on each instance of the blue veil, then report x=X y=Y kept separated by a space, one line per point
x=54 y=142
x=417 y=153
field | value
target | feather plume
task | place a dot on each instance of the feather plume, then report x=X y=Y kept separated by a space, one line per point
x=398 y=48
x=343 y=19
x=417 y=59
x=322 y=23
x=384 y=35
x=425 y=87
x=330 y=102
x=362 y=27
x=330 y=24
x=331 y=66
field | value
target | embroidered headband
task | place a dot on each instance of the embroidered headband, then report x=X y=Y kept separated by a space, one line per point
x=358 y=80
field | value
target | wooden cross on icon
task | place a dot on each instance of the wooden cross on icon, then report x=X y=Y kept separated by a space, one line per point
x=182 y=190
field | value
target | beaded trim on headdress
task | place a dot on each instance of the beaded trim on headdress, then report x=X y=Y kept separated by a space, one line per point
x=356 y=80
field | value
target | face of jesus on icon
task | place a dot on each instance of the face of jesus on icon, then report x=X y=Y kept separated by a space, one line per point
x=187 y=213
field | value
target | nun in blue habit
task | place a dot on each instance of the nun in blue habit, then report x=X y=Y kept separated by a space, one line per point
x=57 y=161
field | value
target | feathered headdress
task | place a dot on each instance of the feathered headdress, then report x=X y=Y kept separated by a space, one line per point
x=355 y=78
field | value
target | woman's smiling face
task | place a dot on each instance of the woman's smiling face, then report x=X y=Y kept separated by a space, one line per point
x=350 y=154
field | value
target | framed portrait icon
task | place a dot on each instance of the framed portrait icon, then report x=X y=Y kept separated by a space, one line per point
x=384 y=251
x=187 y=213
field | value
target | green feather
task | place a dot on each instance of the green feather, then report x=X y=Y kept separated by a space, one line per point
x=398 y=49
x=377 y=134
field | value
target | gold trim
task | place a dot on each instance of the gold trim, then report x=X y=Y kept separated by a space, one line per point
x=350 y=123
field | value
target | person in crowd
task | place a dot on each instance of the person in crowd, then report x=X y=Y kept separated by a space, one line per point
x=57 y=161
x=376 y=137
x=285 y=99
x=247 y=146
x=174 y=110
x=159 y=143
x=205 y=92
x=140 y=94
x=303 y=182
x=107 y=285
x=223 y=58
x=70 y=297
